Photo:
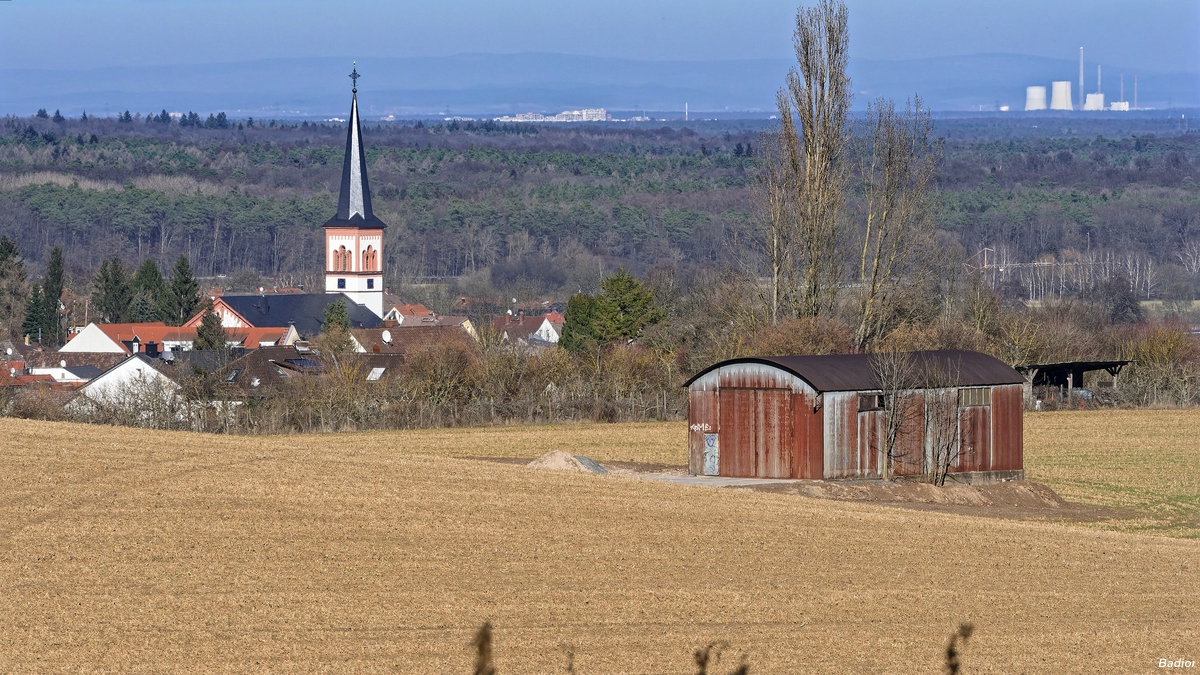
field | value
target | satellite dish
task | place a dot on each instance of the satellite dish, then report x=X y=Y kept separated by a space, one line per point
x=387 y=336
x=62 y=364
x=9 y=351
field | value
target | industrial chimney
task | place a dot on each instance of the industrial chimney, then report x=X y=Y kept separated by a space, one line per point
x=1095 y=101
x=1060 y=95
x=1081 y=76
x=1035 y=98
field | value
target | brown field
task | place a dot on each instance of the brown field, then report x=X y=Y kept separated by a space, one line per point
x=128 y=550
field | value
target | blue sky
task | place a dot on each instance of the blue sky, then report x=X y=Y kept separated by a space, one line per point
x=1159 y=35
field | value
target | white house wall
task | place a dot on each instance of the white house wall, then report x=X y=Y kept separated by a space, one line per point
x=92 y=340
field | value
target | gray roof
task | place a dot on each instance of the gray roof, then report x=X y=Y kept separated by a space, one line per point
x=854 y=372
x=354 y=199
x=84 y=372
x=305 y=310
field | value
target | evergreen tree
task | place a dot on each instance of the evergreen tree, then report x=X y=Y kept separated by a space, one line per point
x=624 y=308
x=335 y=330
x=111 y=293
x=143 y=309
x=83 y=117
x=42 y=114
x=579 y=324
x=58 y=116
x=14 y=291
x=34 y=310
x=183 y=293
x=150 y=290
x=52 y=290
x=210 y=334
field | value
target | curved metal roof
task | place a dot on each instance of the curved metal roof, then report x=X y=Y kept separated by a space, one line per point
x=854 y=372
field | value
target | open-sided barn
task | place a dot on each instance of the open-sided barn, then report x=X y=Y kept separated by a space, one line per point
x=857 y=416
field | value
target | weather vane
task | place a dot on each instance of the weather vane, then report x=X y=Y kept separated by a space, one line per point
x=354 y=76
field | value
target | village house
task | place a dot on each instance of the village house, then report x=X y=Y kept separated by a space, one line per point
x=156 y=338
x=525 y=330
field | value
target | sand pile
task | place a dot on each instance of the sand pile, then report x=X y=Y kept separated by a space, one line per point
x=558 y=460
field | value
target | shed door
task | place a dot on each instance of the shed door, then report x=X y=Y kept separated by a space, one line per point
x=871 y=443
x=774 y=447
x=756 y=433
x=737 y=435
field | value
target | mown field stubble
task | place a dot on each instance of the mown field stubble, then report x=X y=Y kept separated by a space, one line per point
x=145 y=551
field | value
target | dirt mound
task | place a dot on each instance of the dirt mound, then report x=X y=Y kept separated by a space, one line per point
x=1012 y=493
x=557 y=460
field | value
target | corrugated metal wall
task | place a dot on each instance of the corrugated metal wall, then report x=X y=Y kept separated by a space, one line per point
x=974 y=438
x=1008 y=407
x=908 y=457
x=808 y=457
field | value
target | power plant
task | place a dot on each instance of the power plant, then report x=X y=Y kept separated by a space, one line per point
x=1035 y=98
x=1060 y=95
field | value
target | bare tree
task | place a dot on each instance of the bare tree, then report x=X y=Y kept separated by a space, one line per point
x=942 y=443
x=812 y=138
x=776 y=219
x=898 y=377
x=899 y=159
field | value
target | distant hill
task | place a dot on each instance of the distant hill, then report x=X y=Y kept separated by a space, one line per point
x=492 y=84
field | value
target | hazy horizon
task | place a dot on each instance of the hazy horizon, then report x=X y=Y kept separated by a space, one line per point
x=122 y=54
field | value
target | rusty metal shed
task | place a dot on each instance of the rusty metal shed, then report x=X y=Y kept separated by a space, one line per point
x=824 y=417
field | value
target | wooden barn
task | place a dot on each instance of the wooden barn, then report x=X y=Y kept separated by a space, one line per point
x=857 y=416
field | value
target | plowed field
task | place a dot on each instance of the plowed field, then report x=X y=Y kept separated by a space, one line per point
x=128 y=550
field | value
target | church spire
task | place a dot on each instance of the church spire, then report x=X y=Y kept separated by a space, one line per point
x=354 y=200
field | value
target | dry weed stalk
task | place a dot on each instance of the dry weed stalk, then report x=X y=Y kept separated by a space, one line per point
x=483 y=650
x=958 y=641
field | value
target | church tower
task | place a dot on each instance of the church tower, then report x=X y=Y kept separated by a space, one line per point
x=354 y=237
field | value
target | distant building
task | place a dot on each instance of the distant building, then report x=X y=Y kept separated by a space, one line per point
x=1094 y=102
x=1035 y=98
x=586 y=115
x=1120 y=106
x=1060 y=96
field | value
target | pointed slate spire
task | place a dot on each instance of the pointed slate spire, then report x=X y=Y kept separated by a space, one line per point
x=354 y=201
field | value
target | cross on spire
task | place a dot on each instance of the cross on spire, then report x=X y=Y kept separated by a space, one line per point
x=354 y=76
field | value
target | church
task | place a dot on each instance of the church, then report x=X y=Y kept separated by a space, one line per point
x=353 y=259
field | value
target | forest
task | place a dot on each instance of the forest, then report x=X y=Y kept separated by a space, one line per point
x=1046 y=243
x=544 y=210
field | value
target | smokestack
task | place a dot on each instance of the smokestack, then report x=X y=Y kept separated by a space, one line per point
x=1135 y=92
x=1081 y=76
x=1099 y=89
x=1122 y=86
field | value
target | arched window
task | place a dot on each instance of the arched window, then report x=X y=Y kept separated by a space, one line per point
x=368 y=259
x=341 y=258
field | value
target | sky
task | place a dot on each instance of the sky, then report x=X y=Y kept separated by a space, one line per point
x=1161 y=35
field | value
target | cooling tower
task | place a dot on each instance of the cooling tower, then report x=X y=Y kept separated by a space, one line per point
x=1094 y=102
x=1060 y=97
x=1035 y=98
